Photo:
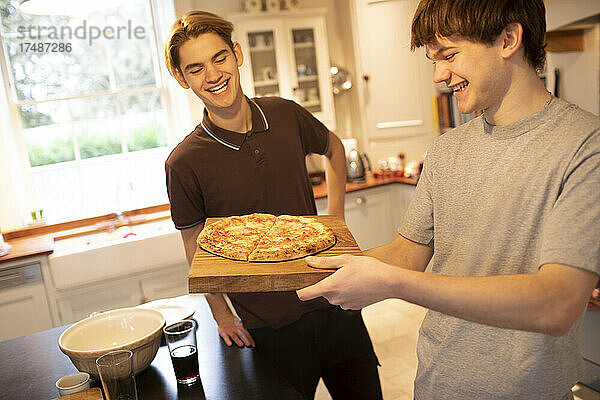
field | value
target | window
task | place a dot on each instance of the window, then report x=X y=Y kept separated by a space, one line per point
x=89 y=108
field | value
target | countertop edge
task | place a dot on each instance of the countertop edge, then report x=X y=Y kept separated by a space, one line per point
x=44 y=244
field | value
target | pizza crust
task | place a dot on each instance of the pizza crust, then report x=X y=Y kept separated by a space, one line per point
x=264 y=237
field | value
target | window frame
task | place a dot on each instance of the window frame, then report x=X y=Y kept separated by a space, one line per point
x=174 y=100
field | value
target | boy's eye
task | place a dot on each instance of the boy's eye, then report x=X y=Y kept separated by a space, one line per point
x=450 y=56
x=220 y=60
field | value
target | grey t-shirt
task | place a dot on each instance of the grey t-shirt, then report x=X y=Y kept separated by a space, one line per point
x=505 y=200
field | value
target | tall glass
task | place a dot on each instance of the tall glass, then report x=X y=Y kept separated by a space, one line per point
x=181 y=340
x=116 y=373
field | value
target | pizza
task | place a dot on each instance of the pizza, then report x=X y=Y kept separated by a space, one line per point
x=264 y=237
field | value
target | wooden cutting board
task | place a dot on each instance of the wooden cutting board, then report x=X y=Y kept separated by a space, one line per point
x=89 y=394
x=213 y=274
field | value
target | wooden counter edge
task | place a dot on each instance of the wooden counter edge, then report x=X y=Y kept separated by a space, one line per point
x=28 y=247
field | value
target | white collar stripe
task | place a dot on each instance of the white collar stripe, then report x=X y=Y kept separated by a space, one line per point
x=262 y=114
x=212 y=135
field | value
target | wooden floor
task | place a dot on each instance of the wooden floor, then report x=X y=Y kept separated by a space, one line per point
x=394 y=325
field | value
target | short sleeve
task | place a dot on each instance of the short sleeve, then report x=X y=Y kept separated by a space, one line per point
x=418 y=219
x=314 y=135
x=185 y=197
x=571 y=234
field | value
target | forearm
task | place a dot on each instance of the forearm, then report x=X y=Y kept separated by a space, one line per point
x=538 y=302
x=402 y=253
x=335 y=177
x=218 y=306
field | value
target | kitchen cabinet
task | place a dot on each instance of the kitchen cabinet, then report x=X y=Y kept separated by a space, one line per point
x=286 y=54
x=80 y=303
x=588 y=343
x=395 y=87
x=373 y=215
x=128 y=291
x=24 y=305
x=171 y=283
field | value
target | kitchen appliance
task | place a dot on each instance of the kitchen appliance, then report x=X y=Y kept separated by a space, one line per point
x=23 y=300
x=357 y=164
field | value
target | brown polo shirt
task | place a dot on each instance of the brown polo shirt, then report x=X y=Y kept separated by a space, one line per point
x=217 y=173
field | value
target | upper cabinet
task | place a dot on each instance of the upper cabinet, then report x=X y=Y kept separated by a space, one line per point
x=286 y=54
x=396 y=82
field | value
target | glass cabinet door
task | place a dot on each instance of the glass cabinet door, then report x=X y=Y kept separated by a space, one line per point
x=307 y=92
x=264 y=63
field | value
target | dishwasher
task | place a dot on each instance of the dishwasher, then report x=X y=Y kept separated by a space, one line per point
x=23 y=303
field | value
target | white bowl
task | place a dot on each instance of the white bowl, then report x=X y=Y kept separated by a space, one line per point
x=135 y=329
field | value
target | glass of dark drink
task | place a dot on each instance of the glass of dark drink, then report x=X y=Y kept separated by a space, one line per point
x=181 y=340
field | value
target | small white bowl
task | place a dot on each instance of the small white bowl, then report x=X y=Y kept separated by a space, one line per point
x=135 y=329
x=73 y=383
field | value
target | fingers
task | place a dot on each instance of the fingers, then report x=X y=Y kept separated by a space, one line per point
x=326 y=262
x=226 y=339
x=312 y=292
x=240 y=337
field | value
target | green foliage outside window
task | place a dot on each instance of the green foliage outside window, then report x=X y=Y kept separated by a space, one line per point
x=59 y=150
x=92 y=144
x=148 y=136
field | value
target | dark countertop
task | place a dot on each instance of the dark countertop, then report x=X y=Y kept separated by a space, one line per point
x=30 y=366
x=44 y=244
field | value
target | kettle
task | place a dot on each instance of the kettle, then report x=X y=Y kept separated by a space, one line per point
x=356 y=165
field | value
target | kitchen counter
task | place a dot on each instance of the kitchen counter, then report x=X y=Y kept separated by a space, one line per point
x=370 y=182
x=44 y=244
x=30 y=365
x=28 y=246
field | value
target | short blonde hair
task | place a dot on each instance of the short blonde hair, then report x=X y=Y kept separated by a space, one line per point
x=190 y=26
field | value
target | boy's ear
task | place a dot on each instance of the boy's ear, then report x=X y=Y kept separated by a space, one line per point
x=239 y=55
x=512 y=38
x=181 y=80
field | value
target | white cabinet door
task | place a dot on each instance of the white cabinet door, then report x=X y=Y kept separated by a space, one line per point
x=401 y=196
x=23 y=310
x=23 y=303
x=80 y=303
x=370 y=216
x=396 y=86
x=287 y=55
x=373 y=215
x=169 y=283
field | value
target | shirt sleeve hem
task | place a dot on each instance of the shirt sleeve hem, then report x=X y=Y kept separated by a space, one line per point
x=181 y=227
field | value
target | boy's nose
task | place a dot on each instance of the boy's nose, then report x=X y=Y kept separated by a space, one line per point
x=441 y=74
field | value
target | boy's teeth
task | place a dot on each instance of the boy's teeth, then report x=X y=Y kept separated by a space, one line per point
x=460 y=86
x=219 y=89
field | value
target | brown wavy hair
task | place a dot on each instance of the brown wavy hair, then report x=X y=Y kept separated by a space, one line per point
x=482 y=21
x=190 y=26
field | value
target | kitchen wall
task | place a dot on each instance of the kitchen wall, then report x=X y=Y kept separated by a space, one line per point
x=579 y=72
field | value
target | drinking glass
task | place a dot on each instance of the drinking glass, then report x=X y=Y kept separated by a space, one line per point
x=116 y=373
x=181 y=340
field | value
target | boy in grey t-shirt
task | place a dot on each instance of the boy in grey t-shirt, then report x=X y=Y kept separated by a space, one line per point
x=508 y=203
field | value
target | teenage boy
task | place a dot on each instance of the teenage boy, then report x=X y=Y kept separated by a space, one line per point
x=248 y=155
x=515 y=234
